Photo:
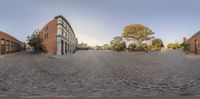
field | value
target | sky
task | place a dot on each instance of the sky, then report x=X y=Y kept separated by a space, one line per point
x=96 y=22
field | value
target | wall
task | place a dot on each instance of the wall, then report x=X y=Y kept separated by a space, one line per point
x=191 y=42
x=9 y=44
x=48 y=36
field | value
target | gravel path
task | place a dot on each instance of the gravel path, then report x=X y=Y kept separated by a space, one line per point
x=100 y=73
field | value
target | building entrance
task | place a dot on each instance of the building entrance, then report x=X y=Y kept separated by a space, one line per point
x=3 y=47
x=62 y=47
x=196 y=47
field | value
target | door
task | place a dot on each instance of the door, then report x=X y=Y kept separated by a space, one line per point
x=196 y=47
x=66 y=47
x=2 y=47
x=62 y=47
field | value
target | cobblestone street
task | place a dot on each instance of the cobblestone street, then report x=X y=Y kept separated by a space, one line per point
x=100 y=73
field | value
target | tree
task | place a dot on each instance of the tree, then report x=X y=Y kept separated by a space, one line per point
x=143 y=46
x=137 y=33
x=185 y=45
x=174 y=45
x=132 y=46
x=34 y=40
x=106 y=47
x=118 y=44
x=157 y=43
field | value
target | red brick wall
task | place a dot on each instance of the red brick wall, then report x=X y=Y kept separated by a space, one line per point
x=48 y=36
x=9 y=38
x=191 y=42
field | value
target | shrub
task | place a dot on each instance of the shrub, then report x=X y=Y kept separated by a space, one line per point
x=117 y=44
x=157 y=43
x=154 y=48
x=174 y=45
x=132 y=46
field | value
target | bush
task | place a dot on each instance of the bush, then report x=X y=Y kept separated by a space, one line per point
x=143 y=46
x=174 y=45
x=117 y=44
x=157 y=43
x=132 y=46
x=154 y=48
x=186 y=47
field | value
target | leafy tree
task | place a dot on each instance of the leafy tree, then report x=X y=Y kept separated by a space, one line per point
x=137 y=33
x=143 y=46
x=174 y=45
x=132 y=46
x=157 y=43
x=106 y=47
x=185 y=46
x=118 y=44
x=34 y=40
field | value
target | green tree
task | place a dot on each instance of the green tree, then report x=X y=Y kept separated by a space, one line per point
x=143 y=46
x=118 y=44
x=34 y=40
x=132 y=46
x=174 y=45
x=137 y=33
x=106 y=47
x=157 y=43
x=185 y=46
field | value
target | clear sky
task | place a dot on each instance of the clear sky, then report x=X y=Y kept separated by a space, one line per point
x=98 y=21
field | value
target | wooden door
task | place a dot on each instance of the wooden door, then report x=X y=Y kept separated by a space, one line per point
x=62 y=47
x=196 y=47
x=3 y=47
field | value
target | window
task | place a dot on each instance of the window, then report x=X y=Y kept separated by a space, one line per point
x=2 y=42
x=47 y=35
x=65 y=34
x=62 y=32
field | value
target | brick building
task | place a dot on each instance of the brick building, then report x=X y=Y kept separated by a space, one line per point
x=9 y=44
x=194 y=43
x=58 y=37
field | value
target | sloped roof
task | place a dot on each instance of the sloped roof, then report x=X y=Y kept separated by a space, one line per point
x=9 y=36
x=198 y=33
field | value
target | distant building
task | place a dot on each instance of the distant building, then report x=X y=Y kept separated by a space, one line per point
x=98 y=48
x=83 y=46
x=9 y=44
x=58 y=37
x=194 y=43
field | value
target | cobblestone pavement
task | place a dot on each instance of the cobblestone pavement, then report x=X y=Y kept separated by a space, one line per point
x=100 y=73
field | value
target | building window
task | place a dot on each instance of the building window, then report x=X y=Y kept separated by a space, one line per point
x=47 y=35
x=66 y=35
x=2 y=42
x=62 y=32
